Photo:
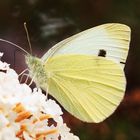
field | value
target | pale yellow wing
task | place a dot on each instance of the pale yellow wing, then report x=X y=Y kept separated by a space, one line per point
x=88 y=87
x=114 y=38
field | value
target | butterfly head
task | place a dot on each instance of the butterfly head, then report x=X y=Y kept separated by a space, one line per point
x=32 y=61
x=34 y=64
x=36 y=70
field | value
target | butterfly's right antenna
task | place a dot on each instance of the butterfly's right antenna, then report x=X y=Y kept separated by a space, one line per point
x=28 y=38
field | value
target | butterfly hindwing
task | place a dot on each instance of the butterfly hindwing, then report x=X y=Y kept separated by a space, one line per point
x=89 y=87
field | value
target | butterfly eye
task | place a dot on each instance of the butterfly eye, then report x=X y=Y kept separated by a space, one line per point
x=102 y=53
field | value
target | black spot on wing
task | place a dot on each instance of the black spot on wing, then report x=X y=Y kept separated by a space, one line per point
x=102 y=53
x=122 y=62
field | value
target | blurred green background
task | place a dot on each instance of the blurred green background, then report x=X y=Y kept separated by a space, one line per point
x=50 y=21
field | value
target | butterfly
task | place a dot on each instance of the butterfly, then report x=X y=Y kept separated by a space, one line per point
x=84 y=72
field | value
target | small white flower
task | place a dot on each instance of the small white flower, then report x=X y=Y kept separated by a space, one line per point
x=1 y=54
x=52 y=108
x=4 y=66
x=3 y=121
x=26 y=136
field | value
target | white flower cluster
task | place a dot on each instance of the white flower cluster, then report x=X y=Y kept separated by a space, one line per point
x=27 y=115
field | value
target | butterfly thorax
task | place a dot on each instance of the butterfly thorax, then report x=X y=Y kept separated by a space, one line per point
x=36 y=70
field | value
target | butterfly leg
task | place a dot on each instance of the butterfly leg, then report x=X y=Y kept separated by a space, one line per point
x=31 y=81
x=27 y=77
x=47 y=91
x=26 y=70
x=22 y=74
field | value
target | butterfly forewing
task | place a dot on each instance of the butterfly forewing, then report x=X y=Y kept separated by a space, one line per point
x=113 y=38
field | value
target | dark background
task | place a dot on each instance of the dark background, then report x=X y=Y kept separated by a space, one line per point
x=50 y=21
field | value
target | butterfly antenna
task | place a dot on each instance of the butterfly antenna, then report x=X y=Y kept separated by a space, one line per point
x=28 y=38
x=9 y=42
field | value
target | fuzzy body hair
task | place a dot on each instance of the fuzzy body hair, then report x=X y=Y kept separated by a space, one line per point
x=37 y=71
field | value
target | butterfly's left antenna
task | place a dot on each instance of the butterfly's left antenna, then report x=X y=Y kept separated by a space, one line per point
x=9 y=42
x=28 y=38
